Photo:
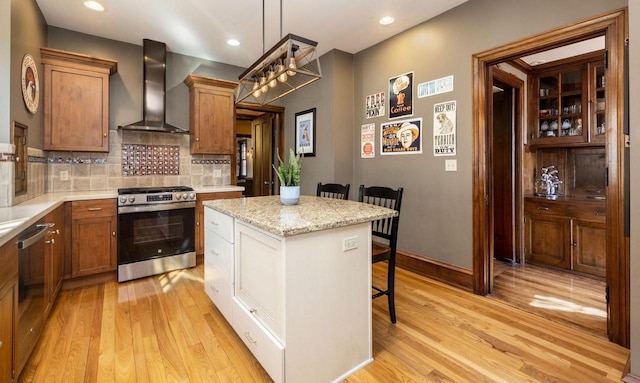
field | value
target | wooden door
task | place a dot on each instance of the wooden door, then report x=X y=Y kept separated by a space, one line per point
x=502 y=172
x=262 y=132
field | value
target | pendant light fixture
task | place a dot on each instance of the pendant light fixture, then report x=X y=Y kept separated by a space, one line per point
x=291 y=64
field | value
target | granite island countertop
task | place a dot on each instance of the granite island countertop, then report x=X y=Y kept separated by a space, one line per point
x=309 y=215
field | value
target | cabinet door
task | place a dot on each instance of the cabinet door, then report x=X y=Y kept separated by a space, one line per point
x=589 y=247
x=597 y=103
x=547 y=241
x=560 y=97
x=259 y=281
x=76 y=109
x=214 y=122
x=94 y=245
x=54 y=255
x=8 y=303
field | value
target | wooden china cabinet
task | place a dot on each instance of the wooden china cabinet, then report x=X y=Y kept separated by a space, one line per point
x=567 y=114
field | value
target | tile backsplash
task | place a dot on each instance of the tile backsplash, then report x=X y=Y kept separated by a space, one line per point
x=81 y=171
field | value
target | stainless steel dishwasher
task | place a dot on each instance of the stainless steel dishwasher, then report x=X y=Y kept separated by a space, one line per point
x=31 y=290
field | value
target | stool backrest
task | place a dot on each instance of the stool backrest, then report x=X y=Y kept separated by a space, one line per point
x=330 y=190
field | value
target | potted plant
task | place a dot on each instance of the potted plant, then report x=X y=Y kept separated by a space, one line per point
x=289 y=175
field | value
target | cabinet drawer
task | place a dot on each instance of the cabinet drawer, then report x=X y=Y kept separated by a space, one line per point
x=595 y=213
x=219 y=223
x=267 y=349
x=93 y=208
x=218 y=289
x=219 y=253
x=544 y=208
x=8 y=260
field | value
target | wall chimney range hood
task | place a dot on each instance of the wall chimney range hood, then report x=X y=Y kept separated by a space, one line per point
x=154 y=91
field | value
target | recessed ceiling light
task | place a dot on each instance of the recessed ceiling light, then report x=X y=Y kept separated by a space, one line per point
x=94 y=5
x=233 y=42
x=538 y=62
x=387 y=20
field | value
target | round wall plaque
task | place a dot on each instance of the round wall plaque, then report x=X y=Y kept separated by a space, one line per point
x=30 y=83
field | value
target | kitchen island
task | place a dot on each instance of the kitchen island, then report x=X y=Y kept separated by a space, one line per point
x=294 y=282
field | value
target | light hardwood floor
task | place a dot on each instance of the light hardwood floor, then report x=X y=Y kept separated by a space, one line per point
x=569 y=298
x=165 y=329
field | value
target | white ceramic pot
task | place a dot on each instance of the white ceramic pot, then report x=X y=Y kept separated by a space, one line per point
x=289 y=195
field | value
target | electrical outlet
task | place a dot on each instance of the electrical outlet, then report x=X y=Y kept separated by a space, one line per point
x=350 y=243
x=217 y=173
x=451 y=165
x=64 y=175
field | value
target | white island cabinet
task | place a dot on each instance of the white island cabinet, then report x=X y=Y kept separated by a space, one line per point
x=294 y=282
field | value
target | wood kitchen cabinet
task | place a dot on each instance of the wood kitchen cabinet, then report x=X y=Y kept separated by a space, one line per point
x=54 y=256
x=8 y=309
x=567 y=102
x=566 y=234
x=201 y=197
x=94 y=245
x=76 y=101
x=212 y=115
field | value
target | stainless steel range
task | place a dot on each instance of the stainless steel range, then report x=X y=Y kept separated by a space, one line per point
x=156 y=230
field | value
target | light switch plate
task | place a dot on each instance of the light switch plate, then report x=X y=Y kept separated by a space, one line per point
x=217 y=173
x=64 y=175
x=451 y=165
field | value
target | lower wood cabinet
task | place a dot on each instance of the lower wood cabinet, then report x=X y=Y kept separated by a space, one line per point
x=54 y=256
x=94 y=245
x=8 y=310
x=201 y=197
x=566 y=235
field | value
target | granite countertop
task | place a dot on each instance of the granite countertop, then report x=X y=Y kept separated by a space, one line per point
x=310 y=214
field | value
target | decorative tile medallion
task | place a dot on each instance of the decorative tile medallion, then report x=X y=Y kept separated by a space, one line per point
x=150 y=160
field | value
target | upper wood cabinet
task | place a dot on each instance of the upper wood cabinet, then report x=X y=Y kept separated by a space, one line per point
x=76 y=101
x=212 y=115
x=567 y=103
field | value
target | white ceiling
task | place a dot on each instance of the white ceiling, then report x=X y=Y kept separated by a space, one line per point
x=201 y=28
x=570 y=50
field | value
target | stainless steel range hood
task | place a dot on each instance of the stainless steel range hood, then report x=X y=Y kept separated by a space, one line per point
x=154 y=98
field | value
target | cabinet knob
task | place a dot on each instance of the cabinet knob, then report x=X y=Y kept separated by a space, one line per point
x=253 y=311
x=574 y=244
x=0 y=344
x=197 y=223
x=94 y=209
x=213 y=252
x=249 y=337
x=213 y=288
x=197 y=139
x=50 y=242
x=113 y=233
x=543 y=208
x=104 y=134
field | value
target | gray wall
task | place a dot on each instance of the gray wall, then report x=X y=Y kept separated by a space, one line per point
x=28 y=34
x=437 y=208
x=332 y=96
x=634 y=63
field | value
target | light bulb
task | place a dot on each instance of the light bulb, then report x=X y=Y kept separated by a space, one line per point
x=263 y=84
x=282 y=77
x=256 y=89
x=272 y=79
x=291 y=64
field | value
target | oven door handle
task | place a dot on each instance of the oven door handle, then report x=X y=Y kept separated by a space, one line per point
x=38 y=235
x=155 y=207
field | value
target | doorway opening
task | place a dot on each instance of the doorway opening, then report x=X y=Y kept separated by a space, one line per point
x=259 y=142
x=612 y=27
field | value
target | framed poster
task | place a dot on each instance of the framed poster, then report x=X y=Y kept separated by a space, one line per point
x=444 y=129
x=401 y=137
x=306 y=133
x=375 y=105
x=367 y=141
x=401 y=95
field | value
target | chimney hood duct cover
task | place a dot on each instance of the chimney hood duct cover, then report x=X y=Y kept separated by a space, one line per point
x=154 y=98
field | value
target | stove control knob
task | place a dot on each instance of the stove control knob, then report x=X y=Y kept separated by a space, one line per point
x=185 y=196
x=192 y=195
x=123 y=199
x=178 y=196
x=132 y=199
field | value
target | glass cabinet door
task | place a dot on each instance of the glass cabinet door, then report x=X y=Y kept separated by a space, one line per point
x=597 y=102
x=560 y=96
